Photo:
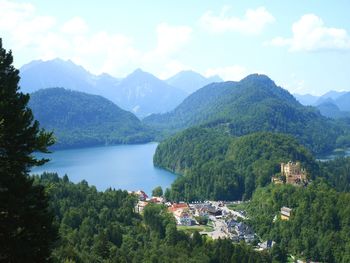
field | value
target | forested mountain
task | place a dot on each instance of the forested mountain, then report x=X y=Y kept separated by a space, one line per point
x=79 y=119
x=333 y=104
x=313 y=100
x=144 y=94
x=219 y=167
x=253 y=104
x=318 y=229
x=343 y=102
x=139 y=92
x=330 y=95
x=329 y=109
x=190 y=81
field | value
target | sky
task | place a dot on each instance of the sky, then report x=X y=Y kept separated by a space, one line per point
x=304 y=46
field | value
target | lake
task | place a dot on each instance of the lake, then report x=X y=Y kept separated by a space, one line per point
x=127 y=167
x=335 y=154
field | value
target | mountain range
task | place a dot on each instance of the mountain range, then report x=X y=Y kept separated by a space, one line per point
x=333 y=104
x=313 y=100
x=190 y=81
x=251 y=105
x=140 y=92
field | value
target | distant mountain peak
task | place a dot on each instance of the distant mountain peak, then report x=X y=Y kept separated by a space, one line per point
x=139 y=90
x=258 y=77
x=190 y=81
x=140 y=73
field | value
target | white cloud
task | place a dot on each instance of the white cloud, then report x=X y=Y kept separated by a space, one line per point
x=294 y=84
x=310 y=34
x=253 y=22
x=235 y=72
x=24 y=27
x=12 y=14
x=34 y=36
x=76 y=25
x=171 y=38
x=172 y=67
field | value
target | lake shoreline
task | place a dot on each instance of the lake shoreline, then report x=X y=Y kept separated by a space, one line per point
x=125 y=167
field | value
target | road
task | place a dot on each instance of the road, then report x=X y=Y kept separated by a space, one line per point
x=220 y=229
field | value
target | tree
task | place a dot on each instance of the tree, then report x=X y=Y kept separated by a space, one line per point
x=158 y=191
x=26 y=229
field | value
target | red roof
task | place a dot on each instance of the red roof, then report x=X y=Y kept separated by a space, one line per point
x=175 y=207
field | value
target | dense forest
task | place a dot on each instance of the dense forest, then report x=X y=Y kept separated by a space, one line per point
x=103 y=227
x=251 y=105
x=319 y=226
x=337 y=173
x=220 y=167
x=80 y=120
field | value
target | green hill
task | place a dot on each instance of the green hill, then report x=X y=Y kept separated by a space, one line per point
x=251 y=105
x=318 y=229
x=219 y=167
x=79 y=119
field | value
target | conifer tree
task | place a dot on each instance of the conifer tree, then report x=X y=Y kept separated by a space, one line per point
x=26 y=229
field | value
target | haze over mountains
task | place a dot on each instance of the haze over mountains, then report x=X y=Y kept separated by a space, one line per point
x=140 y=92
x=190 y=81
x=333 y=104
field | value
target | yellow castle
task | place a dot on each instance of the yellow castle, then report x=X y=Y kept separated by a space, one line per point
x=293 y=172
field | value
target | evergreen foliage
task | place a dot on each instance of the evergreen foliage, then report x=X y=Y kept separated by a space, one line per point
x=103 y=227
x=254 y=104
x=318 y=228
x=337 y=173
x=158 y=191
x=219 y=167
x=80 y=120
x=26 y=230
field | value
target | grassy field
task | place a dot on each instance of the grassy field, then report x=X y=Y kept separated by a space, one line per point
x=191 y=229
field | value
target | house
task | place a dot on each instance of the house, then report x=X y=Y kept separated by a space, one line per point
x=141 y=195
x=276 y=180
x=231 y=224
x=207 y=209
x=266 y=245
x=185 y=219
x=243 y=229
x=157 y=200
x=181 y=213
x=249 y=238
x=140 y=206
x=176 y=206
x=285 y=213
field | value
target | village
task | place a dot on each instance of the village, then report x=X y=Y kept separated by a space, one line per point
x=215 y=219
x=225 y=220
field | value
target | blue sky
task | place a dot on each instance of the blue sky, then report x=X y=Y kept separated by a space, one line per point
x=303 y=46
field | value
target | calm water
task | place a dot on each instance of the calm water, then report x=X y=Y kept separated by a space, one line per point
x=128 y=167
x=334 y=155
